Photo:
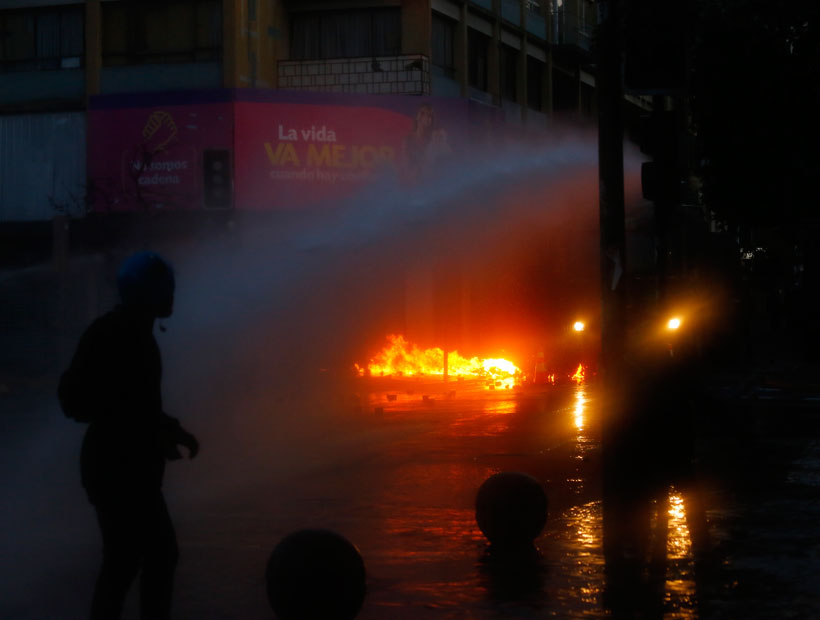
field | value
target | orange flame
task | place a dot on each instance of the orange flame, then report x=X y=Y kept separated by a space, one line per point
x=400 y=358
x=579 y=375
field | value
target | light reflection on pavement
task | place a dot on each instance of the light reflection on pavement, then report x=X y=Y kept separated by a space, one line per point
x=403 y=489
x=401 y=486
x=431 y=560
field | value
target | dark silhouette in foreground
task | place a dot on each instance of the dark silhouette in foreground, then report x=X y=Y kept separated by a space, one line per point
x=316 y=574
x=113 y=384
x=511 y=511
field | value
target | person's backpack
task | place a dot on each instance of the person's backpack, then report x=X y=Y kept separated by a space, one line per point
x=74 y=396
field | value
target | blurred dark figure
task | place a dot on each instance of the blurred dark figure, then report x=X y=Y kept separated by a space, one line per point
x=649 y=448
x=113 y=384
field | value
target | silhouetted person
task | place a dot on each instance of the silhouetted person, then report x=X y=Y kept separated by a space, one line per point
x=113 y=384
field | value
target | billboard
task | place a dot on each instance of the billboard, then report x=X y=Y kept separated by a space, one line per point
x=265 y=150
x=147 y=151
x=298 y=149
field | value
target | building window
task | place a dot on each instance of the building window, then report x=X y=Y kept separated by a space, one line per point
x=508 y=60
x=573 y=23
x=317 y=35
x=535 y=6
x=535 y=85
x=478 y=46
x=42 y=39
x=443 y=54
x=564 y=91
x=174 y=31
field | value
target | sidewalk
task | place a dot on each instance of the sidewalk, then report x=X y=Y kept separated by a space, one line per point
x=761 y=466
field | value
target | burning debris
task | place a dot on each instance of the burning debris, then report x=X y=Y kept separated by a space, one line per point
x=399 y=358
x=579 y=375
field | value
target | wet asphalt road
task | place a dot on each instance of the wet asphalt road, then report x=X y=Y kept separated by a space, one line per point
x=404 y=495
x=399 y=477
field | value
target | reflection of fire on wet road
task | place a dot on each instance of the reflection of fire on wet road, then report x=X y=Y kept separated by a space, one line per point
x=678 y=545
x=580 y=401
x=425 y=543
x=680 y=585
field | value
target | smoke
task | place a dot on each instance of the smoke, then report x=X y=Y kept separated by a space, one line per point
x=270 y=318
x=267 y=324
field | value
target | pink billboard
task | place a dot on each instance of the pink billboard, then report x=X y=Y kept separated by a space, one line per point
x=148 y=152
x=297 y=149
x=290 y=155
x=261 y=150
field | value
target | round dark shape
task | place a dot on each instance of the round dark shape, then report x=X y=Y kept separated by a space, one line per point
x=315 y=575
x=511 y=509
x=146 y=281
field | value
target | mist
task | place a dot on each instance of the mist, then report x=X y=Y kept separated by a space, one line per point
x=259 y=351
x=270 y=318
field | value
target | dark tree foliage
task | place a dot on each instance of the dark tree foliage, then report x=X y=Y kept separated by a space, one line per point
x=756 y=104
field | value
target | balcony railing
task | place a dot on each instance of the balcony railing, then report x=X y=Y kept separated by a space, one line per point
x=408 y=74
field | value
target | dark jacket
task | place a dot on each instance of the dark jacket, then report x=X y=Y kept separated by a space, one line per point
x=113 y=383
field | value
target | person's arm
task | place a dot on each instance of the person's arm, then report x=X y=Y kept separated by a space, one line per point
x=174 y=435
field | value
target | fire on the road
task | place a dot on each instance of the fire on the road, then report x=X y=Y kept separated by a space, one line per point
x=401 y=358
x=579 y=375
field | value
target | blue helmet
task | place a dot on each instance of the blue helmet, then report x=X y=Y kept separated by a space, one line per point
x=146 y=281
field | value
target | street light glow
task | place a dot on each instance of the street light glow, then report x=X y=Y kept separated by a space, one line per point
x=673 y=323
x=578 y=326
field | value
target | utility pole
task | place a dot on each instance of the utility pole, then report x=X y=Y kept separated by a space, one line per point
x=613 y=276
x=611 y=187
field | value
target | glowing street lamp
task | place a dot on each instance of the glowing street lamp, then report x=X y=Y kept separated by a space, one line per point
x=673 y=323
x=578 y=326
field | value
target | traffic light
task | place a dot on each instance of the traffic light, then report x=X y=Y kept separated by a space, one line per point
x=660 y=179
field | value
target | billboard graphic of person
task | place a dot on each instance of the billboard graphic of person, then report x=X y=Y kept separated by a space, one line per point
x=425 y=146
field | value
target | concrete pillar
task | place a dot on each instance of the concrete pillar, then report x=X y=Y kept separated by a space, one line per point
x=93 y=47
x=460 y=51
x=579 y=105
x=493 y=58
x=417 y=27
x=546 y=76
x=546 y=84
x=234 y=44
x=521 y=72
x=279 y=34
x=250 y=34
x=262 y=43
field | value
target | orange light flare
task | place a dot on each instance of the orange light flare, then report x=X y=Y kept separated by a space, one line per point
x=580 y=374
x=673 y=324
x=400 y=358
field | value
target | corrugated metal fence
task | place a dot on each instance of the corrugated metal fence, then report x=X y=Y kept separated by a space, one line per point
x=42 y=165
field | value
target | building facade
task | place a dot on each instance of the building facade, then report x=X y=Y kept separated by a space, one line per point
x=527 y=58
